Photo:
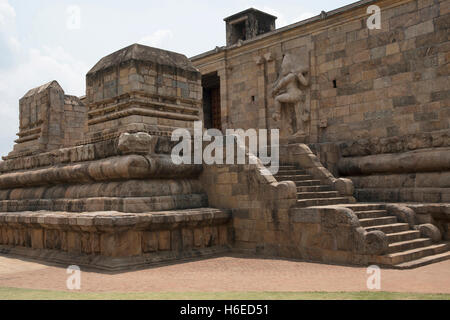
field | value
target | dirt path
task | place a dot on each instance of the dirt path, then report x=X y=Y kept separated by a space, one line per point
x=236 y=273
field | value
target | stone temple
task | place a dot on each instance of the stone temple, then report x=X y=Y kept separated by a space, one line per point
x=364 y=120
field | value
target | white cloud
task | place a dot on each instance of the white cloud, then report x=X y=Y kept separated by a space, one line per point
x=157 y=38
x=13 y=44
x=7 y=26
x=7 y=13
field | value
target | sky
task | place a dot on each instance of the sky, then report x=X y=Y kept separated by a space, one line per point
x=45 y=40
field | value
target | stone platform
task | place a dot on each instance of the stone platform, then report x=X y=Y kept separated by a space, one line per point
x=92 y=183
x=113 y=240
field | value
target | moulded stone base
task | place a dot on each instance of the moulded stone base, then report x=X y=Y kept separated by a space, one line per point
x=386 y=194
x=131 y=205
x=114 y=240
x=109 y=263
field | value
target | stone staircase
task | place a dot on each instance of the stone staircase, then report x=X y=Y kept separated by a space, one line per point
x=407 y=249
x=310 y=192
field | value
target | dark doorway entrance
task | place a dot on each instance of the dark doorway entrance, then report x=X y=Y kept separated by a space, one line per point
x=211 y=101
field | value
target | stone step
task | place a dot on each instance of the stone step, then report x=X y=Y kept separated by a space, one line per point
x=371 y=214
x=377 y=221
x=366 y=207
x=403 y=236
x=314 y=189
x=291 y=172
x=317 y=195
x=300 y=177
x=307 y=183
x=287 y=167
x=409 y=245
x=414 y=254
x=321 y=202
x=424 y=261
x=389 y=228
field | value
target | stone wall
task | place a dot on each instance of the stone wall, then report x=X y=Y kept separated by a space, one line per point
x=49 y=120
x=154 y=89
x=370 y=91
x=75 y=119
x=389 y=82
x=435 y=214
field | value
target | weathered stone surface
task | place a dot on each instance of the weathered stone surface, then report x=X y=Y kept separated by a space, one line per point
x=116 y=168
x=344 y=186
x=140 y=143
x=422 y=140
x=48 y=120
x=255 y=23
x=430 y=231
x=403 y=213
x=120 y=244
x=112 y=235
x=376 y=243
x=414 y=161
x=142 y=86
x=371 y=92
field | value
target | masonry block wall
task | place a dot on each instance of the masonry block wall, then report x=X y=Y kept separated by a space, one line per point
x=259 y=204
x=140 y=88
x=389 y=82
x=372 y=92
x=75 y=115
x=49 y=120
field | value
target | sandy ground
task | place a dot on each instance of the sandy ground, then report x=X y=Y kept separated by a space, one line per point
x=224 y=274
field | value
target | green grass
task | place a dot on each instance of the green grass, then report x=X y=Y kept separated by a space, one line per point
x=25 y=294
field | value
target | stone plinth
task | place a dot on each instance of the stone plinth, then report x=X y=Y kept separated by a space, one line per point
x=142 y=89
x=113 y=240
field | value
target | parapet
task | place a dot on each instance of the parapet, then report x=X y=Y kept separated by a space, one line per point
x=49 y=120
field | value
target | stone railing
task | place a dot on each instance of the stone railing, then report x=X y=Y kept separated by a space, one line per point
x=432 y=220
x=266 y=222
x=259 y=203
x=302 y=156
x=334 y=234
